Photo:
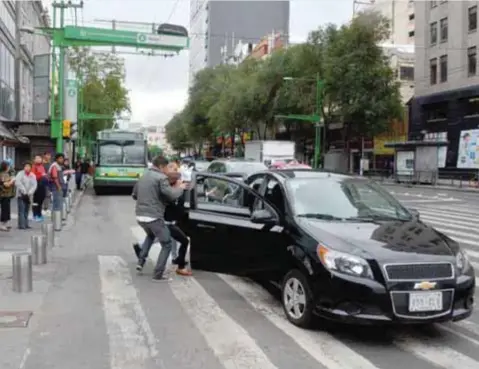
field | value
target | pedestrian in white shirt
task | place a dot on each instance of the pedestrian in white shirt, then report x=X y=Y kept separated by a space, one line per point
x=26 y=185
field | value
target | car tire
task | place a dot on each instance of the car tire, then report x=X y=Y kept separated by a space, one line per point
x=298 y=279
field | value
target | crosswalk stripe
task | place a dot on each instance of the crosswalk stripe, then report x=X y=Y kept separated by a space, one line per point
x=457 y=209
x=230 y=342
x=322 y=346
x=441 y=223
x=445 y=214
x=453 y=222
x=439 y=355
x=132 y=342
x=448 y=210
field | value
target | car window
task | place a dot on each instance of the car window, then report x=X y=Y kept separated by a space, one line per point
x=224 y=192
x=247 y=167
x=343 y=199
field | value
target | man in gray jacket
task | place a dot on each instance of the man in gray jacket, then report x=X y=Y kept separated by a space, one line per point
x=152 y=193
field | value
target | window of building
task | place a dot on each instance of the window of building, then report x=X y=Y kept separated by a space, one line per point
x=411 y=16
x=7 y=19
x=406 y=73
x=470 y=106
x=433 y=3
x=436 y=112
x=433 y=71
x=444 y=29
x=472 y=18
x=411 y=33
x=433 y=33
x=443 y=68
x=471 y=61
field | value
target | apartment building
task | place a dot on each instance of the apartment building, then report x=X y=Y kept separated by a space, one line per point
x=217 y=26
x=446 y=99
x=401 y=14
x=18 y=48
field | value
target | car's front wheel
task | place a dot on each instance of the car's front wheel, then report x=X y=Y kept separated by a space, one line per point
x=297 y=299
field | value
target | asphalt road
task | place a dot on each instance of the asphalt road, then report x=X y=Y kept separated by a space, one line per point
x=97 y=313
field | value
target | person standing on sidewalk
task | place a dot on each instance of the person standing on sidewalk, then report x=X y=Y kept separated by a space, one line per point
x=26 y=184
x=7 y=192
x=47 y=159
x=38 y=170
x=152 y=192
x=57 y=182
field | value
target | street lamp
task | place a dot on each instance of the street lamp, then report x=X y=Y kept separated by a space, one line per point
x=316 y=118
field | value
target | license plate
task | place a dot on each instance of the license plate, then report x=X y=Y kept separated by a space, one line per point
x=425 y=301
x=132 y=175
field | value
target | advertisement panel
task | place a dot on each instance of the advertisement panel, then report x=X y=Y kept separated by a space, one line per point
x=468 y=150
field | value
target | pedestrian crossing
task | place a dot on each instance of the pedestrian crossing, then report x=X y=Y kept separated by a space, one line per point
x=236 y=344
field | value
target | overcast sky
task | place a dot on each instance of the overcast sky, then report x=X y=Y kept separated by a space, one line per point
x=158 y=86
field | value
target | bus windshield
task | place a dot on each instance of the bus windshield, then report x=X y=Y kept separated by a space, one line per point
x=122 y=153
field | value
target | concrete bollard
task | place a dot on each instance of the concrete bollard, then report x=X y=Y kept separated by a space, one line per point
x=64 y=210
x=67 y=204
x=49 y=232
x=39 y=249
x=22 y=278
x=57 y=220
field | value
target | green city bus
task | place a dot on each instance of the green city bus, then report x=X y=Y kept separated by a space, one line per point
x=121 y=158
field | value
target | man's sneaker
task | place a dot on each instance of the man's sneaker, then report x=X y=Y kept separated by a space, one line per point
x=161 y=278
x=139 y=266
x=137 y=249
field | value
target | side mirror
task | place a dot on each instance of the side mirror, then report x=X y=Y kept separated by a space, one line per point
x=414 y=213
x=262 y=217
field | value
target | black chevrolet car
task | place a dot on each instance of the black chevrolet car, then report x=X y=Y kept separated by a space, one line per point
x=340 y=247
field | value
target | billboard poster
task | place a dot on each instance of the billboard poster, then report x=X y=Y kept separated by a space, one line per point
x=468 y=150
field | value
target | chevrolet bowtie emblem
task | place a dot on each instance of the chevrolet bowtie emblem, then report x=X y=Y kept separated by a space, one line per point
x=425 y=285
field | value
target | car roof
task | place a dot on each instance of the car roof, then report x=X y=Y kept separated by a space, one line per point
x=285 y=174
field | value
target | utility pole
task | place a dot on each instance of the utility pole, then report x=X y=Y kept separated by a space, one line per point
x=57 y=121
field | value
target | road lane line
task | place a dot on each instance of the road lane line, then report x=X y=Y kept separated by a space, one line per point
x=322 y=346
x=230 y=342
x=132 y=342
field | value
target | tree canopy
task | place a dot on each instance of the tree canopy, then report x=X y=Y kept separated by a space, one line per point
x=359 y=88
x=103 y=88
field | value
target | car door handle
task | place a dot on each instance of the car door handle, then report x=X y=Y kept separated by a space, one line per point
x=207 y=226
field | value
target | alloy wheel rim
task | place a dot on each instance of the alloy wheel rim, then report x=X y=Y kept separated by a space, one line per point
x=294 y=298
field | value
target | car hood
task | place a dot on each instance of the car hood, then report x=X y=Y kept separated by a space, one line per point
x=384 y=241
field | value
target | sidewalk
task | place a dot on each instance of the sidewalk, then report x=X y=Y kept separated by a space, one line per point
x=444 y=184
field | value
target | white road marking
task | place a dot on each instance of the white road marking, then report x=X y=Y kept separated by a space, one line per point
x=230 y=342
x=322 y=346
x=437 y=354
x=428 y=201
x=132 y=342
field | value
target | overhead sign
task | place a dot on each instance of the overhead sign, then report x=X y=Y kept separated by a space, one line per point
x=71 y=100
x=103 y=36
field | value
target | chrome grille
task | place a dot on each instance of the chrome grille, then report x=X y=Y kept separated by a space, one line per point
x=419 y=271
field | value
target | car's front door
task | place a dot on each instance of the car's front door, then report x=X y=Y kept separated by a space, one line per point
x=223 y=236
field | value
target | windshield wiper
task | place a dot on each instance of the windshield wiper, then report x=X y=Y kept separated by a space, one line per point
x=320 y=216
x=376 y=217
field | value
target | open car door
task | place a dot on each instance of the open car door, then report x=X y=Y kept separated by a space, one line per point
x=232 y=228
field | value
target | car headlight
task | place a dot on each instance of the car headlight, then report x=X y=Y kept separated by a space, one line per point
x=344 y=263
x=462 y=262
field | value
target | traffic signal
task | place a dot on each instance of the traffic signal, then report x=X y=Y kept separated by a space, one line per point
x=67 y=128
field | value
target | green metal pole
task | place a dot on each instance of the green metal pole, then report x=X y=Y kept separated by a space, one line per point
x=53 y=129
x=317 y=143
x=61 y=81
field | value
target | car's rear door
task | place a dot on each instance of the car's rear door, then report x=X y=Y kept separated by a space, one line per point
x=223 y=237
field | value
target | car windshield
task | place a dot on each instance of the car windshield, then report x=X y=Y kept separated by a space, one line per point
x=344 y=199
x=121 y=153
x=247 y=167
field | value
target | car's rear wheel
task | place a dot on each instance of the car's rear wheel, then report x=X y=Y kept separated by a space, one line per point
x=297 y=299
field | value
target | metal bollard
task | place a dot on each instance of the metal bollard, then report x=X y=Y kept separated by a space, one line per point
x=22 y=279
x=67 y=204
x=64 y=210
x=49 y=232
x=57 y=220
x=39 y=249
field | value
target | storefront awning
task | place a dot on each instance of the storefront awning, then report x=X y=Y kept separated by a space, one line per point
x=414 y=144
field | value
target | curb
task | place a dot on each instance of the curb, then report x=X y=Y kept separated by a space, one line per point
x=434 y=188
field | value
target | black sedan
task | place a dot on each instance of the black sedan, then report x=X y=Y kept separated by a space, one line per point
x=340 y=247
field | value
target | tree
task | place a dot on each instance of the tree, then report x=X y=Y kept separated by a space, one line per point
x=176 y=135
x=154 y=150
x=102 y=86
x=361 y=83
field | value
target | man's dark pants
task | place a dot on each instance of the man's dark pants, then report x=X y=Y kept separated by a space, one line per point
x=156 y=229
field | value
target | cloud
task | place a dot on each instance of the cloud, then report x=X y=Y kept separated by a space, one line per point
x=157 y=108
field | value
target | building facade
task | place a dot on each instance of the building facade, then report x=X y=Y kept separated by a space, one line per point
x=18 y=47
x=216 y=27
x=446 y=99
x=401 y=14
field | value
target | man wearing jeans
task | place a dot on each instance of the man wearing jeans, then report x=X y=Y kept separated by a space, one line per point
x=57 y=182
x=152 y=192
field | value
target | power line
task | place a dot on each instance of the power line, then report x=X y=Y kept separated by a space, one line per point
x=172 y=11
